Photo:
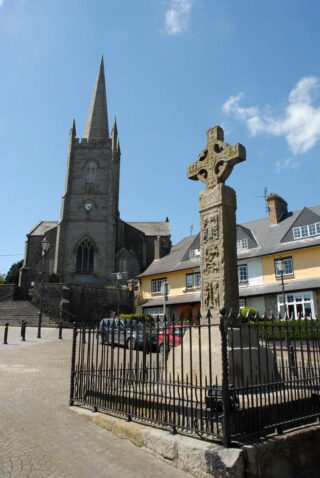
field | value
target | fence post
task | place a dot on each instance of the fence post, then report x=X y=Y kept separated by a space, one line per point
x=225 y=380
x=73 y=361
x=5 y=338
x=60 y=331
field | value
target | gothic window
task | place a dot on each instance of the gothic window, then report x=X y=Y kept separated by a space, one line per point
x=90 y=174
x=85 y=257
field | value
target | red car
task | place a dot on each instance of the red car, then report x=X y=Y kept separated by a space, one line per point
x=171 y=337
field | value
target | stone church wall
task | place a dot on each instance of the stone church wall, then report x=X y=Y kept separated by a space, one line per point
x=86 y=303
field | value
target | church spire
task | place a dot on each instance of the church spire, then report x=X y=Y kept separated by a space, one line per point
x=73 y=131
x=114 y=135
x=97 y=121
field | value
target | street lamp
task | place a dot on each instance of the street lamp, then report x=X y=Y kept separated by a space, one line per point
x=45 y=244
x=281 y=268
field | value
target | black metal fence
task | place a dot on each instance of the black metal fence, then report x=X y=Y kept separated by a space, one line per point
x=217 y=380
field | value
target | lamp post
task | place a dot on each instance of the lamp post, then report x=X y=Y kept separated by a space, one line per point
x=281 y=268
x=45 y=244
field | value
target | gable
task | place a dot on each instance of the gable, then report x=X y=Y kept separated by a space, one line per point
x=244 y=234
x=305 y=218
x=192 y=251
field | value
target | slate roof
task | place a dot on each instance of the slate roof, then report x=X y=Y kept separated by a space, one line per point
x=174 y=260
x=153 y=228
x=263 y=239
x=42 y=228
x=290 y=285
x=175 y=299
x=274 y=239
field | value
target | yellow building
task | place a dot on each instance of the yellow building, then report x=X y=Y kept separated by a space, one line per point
x=278 y=266
x=181 y=271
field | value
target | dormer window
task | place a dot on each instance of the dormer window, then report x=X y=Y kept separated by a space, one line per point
x=194 y=254
x=306 y=231
x=242 y=244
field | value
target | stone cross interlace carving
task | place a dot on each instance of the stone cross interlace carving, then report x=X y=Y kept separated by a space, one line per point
x=215 y=163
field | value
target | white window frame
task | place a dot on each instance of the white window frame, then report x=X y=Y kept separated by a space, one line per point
x=242 y=303
x=194 y=276
x=194 y=254
x=242 y=244
x=297 y=298
x=308 y=230
x=156 y=285
x=154 y=311
x=243 y=268
x=288 y=272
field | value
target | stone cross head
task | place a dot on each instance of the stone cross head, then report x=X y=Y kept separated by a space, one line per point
x=215 y=163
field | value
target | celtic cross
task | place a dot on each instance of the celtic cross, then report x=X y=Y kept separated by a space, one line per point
x=215 y=163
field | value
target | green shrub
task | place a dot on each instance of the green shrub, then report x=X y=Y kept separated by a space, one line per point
x=248 y=310
x=287 y=329
x=148 y=319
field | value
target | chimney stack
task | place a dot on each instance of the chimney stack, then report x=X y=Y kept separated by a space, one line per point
x=157 y=248
x=277 y=207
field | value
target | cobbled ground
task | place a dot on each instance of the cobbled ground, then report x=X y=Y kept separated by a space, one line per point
x=40 y=437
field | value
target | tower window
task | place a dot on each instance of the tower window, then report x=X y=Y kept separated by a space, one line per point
x=85 y=257
x=90 y=175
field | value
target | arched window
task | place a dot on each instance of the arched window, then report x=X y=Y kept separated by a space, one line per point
x=90 y=175
x=85 y=257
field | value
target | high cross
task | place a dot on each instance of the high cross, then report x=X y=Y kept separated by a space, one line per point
x=215 y=163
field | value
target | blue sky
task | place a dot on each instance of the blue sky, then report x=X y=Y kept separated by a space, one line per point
x=174 y=68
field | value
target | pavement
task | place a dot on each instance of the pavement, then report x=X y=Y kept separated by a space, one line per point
x=40 y=437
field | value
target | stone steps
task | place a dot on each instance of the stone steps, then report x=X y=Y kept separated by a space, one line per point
x=14 y=312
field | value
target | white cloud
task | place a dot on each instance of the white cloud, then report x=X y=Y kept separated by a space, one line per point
x=288 y=163
x=177 y=16
x=299 y=124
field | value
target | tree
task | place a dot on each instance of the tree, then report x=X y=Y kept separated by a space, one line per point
x=13 y=275
x=2 y=279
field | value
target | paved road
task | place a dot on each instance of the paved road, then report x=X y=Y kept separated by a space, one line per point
x=39 y=436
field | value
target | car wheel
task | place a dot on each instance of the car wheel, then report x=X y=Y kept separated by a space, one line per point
x=131 y=343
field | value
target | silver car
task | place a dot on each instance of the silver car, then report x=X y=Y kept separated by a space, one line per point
x=129 y=333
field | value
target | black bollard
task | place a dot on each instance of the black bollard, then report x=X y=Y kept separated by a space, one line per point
x=5 y=338
x=23 y=330
x=60 y=331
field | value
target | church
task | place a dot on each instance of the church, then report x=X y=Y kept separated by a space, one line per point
x=91 y=243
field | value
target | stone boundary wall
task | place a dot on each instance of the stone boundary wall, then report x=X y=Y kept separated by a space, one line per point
x=86 y=303
x=6 y=289
x=292 y=455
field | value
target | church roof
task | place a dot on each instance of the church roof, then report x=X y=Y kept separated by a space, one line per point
x=42 y=228
x=153 y=228
x=97 y=122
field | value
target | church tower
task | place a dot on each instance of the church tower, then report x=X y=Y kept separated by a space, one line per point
x=87 y=231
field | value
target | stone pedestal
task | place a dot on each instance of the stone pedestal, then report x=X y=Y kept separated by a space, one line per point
x=199 y=359
x=218 y=262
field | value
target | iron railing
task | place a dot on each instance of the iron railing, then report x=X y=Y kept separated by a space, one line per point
x=216 y=380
